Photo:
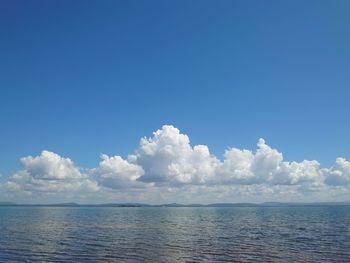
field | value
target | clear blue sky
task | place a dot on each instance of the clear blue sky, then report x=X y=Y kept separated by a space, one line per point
x=82 y=78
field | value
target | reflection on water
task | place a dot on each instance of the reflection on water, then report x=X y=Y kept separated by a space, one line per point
x=271 y=234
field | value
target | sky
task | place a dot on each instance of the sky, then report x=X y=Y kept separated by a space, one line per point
x=156 y=101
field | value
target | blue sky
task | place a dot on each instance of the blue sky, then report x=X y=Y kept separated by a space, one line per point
x=83 y=78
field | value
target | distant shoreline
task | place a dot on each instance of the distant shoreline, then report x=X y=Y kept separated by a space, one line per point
x=218 y=205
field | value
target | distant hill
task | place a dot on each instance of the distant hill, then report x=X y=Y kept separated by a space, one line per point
x=278 y=204
x=266 y=204
x=232 y=205
x=6 y=203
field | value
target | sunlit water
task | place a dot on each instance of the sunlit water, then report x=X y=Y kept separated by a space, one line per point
x=80 y=234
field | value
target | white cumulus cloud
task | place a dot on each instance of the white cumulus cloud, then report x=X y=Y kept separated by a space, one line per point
x=339 y=174
x=50 y=166
x=165 y=166
x=168 y=157
x=115 y=172
x=265 y=166
x=50 y=173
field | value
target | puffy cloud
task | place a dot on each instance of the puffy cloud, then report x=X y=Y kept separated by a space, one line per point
x=50 y=166
x=339 y=174
x=236 y=167
x=293 y=173
x=168 y=157
x=266 y=166
x=166 y=166
x=115 y=172
x=50 y=173
x=266 y=161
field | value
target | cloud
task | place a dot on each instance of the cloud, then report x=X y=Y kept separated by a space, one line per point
x=117 y=173
x=339 y=174
x=50 y=166
x=165 y=166
x=168 y=157
x=266 y=166
x=49 y=173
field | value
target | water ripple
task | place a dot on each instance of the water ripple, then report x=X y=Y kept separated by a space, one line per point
x=272 y=234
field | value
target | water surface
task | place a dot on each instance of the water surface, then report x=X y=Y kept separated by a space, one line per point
x=240 y=234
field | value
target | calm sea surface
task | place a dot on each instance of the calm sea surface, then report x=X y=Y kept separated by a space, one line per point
x=87 y=234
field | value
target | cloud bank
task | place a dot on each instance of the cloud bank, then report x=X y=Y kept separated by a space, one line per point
x=166 y=167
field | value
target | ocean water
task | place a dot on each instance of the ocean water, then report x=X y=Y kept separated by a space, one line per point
x=246 y=234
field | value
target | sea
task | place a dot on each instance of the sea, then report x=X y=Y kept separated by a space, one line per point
x=175 y=234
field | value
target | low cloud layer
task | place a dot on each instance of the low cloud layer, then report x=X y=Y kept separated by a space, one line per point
x=166 y=167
